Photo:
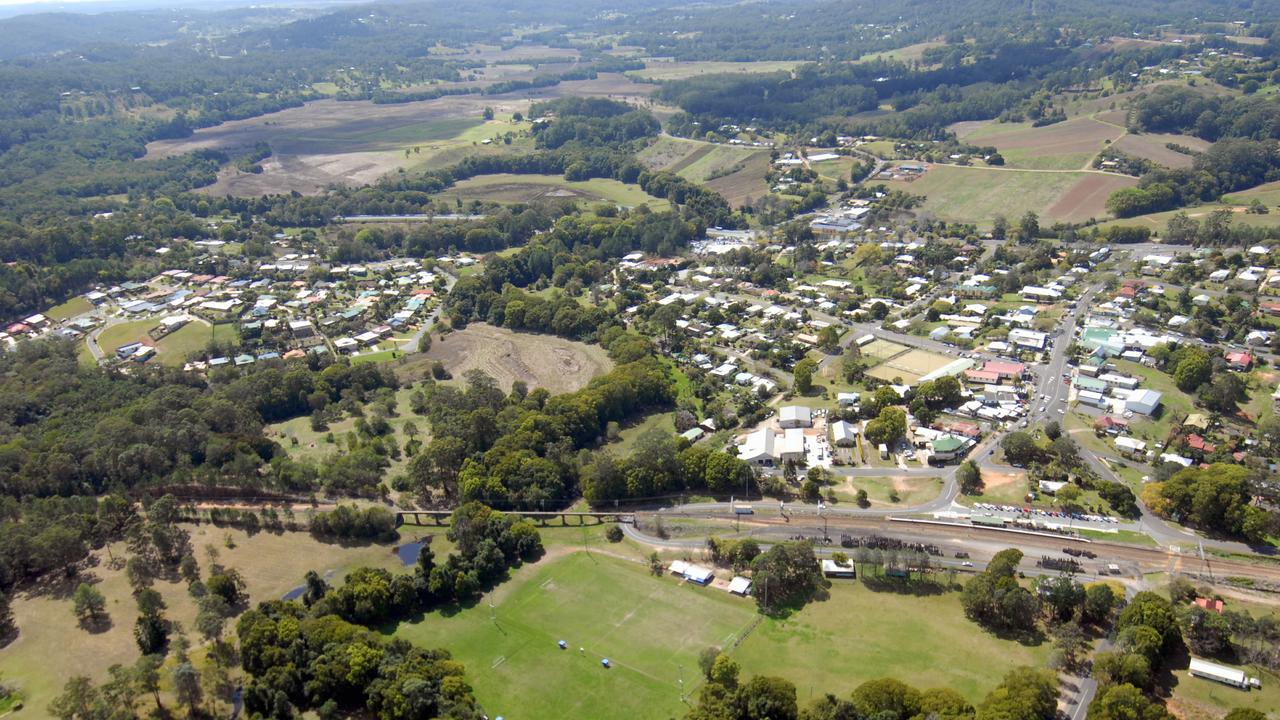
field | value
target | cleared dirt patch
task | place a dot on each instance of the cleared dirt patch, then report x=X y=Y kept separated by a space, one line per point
x=539 y=360
x=1088 y=197
x=1153 y=148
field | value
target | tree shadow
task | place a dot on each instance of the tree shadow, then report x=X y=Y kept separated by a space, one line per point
x=57 y=585
x=902 y=586
x=96 y=625
x=1027 y=638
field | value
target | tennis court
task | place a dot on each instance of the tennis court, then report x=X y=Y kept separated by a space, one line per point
x=881 y=349
x=909 y=366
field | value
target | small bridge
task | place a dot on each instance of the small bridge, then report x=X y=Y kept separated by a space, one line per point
x=543 y=517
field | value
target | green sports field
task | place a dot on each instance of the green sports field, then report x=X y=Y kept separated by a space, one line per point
x=860 y=634
x=648 y=627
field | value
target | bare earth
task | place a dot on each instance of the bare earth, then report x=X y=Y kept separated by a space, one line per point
x=1087 y=198
x=546 y=361
x=1152 y=147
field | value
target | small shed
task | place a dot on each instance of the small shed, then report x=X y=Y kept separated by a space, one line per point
x=740 y=586
x=833 y=569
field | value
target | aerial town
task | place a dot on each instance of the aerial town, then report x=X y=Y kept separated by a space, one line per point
x=792 y=360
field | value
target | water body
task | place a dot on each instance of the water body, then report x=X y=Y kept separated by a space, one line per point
x=295 y=593
x=409 y=552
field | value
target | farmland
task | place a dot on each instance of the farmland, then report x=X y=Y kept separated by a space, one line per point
x=529 y=188
x=973 y=194
x=354 y=142
x=1069 y=145
x=538 y=360
x=1153 y=147
x=663 y=71
x=1157 y=222
x=737 y=173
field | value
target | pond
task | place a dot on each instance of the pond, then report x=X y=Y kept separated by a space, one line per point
x=409 y=552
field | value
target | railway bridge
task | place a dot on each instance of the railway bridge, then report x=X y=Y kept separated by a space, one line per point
x=543 y=517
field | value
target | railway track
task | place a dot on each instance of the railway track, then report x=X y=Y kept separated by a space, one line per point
x=1148 y=558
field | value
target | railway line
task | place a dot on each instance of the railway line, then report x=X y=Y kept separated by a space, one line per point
x=955 y=537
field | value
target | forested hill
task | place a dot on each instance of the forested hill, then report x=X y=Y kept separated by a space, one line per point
x=848 y=29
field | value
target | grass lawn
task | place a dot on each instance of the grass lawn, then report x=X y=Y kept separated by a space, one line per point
x=1128 y=537
x=911 y=490
x=631 y=432
x=1035 y=160
x=880 y=148
x=648 y=627
x=859 y=635
x=125 y=333
x=1175 y=402
x=77 y=305
x=1199 y=699
x=174 y=348
x=379 y=356
x=1003 y=488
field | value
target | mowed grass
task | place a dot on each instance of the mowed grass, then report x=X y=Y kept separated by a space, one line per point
x=528 y=188
x=1176 y=404
x=51 y=647
x=75 y=306
x=648 y=627
x=859 y=634
x=125 y=333
x=910 y=490
x=174 y=349
x=632 y=432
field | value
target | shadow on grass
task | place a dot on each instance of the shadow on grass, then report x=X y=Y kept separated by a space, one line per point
x=1026 y=638
x=902 y=586
x=96 y=625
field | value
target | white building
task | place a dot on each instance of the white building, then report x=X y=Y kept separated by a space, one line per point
x=795 y=416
